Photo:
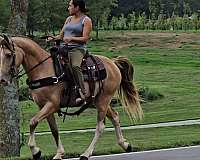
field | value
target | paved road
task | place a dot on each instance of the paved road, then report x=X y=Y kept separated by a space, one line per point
x=167 y=124
x=184 y=153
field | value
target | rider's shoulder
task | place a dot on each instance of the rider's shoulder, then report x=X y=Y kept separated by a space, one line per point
x=87 y=19
x=68 y=19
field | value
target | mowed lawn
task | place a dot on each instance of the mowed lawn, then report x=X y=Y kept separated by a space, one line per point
x=143 y=139
x=168 y=63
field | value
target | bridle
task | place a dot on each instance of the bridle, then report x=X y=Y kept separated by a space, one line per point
x=12 y=69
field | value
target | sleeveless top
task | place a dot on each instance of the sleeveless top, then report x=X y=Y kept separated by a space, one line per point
x=74 y=29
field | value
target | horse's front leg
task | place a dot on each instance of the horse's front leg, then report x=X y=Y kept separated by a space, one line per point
x=54 y=129
x=47 y=110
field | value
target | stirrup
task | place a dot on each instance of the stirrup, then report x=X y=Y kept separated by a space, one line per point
x=80 y=101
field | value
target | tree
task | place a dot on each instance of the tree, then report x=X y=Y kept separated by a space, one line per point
x=186 y=22
x=187 y=9
x=180 y=8
x=9 y=111
x=5 y=14
x=195 y=21
x=17 y=24
x=32 y=19
x=44 y=16
x=113 y=23
x=132 y=20
x=141 y=21
x=154 y=7
x=98 y=9
x=122 y=23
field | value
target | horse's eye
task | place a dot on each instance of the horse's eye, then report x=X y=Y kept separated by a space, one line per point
x=8 y=55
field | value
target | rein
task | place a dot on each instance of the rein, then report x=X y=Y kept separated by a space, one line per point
x=17 y=76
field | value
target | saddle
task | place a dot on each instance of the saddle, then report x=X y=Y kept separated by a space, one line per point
x=93 y=71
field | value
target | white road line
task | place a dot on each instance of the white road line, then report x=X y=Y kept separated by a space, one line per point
x=168 y=124
x=151 y=151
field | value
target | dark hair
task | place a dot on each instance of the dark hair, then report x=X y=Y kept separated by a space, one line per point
x=81 y=4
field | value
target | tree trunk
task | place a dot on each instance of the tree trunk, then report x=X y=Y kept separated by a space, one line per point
x=9 y=110
x=181 y=8
x=17 y=24
x=9 y=122
x=97 y=29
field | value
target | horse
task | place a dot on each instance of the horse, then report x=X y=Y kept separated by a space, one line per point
x=16 y=51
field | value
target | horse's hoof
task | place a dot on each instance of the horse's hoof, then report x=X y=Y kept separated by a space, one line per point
x=129 y=148
x=83 y=158
x=37 y=156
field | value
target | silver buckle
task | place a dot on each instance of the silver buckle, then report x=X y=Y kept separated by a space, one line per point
x=56 y=80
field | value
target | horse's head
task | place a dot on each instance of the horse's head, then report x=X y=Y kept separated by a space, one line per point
x=7 y=60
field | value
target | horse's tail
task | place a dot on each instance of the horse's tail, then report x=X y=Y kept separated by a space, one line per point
x=127 y=92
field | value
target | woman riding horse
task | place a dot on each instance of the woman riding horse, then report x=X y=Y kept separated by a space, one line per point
x=18 y=50
x=38 y=64
x=75 y=33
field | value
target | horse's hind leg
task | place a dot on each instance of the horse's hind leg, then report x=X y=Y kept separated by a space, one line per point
x=102 y=106
x=114 y=118
x=54 y=129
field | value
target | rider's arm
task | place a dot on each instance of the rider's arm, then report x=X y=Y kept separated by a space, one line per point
x=87 y=28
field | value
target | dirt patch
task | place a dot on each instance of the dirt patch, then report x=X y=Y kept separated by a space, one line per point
x=155 y=40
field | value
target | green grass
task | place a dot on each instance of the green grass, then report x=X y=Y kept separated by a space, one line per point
x=173 y=72
x=143 y=139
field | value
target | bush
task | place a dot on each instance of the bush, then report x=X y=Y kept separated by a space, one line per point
x=148 y=94
x=23 y=94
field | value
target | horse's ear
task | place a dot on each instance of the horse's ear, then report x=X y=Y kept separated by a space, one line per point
x=1 y=38
x=6 y=38
x=8 y=43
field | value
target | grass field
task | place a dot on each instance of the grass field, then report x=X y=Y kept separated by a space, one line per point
x=166 y=62
x=144 y=139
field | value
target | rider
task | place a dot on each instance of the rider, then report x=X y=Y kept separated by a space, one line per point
x=76 y=32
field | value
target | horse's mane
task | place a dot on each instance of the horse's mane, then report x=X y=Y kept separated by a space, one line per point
x=29 y=44
x=23 y=41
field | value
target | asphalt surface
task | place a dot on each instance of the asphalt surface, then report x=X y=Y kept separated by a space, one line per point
x=184 y=153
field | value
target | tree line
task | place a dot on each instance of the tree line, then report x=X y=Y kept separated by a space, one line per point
x=49 y=15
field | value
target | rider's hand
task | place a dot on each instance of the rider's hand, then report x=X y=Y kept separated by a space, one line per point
x=50 y=38
x=67 y=40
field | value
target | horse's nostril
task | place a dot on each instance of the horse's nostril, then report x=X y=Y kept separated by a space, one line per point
x=2 y=81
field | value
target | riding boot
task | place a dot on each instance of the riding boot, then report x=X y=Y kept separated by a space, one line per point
x=79 y=82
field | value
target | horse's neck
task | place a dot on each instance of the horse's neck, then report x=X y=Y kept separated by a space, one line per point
x=33 y=55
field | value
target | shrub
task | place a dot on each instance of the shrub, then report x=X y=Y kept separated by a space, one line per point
x=148 y=94
x=23 y=94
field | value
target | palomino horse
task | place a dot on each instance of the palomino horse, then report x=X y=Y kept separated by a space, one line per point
x=18 y=50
